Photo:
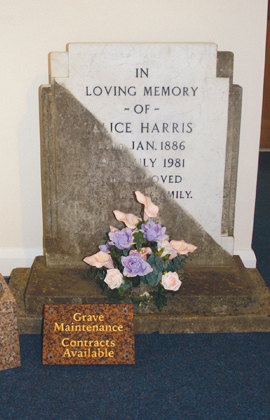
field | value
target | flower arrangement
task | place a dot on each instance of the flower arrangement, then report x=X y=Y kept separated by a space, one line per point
x=138 y=261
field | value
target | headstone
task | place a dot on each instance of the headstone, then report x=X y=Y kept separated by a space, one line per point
x=159 y=118
x=163 y=119
x=9 y=337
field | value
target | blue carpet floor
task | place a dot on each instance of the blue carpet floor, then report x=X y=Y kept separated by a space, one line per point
x=185 y=377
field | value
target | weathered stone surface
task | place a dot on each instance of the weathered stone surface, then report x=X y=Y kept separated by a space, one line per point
x=27 y=324
x=89 y=171
x=9 y=338
x=225 y=69
x=78 y=208
x=210 y=300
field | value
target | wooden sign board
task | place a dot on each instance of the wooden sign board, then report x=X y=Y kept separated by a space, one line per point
x=88 y=335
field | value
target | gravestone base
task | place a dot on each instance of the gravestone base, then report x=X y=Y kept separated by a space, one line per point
x=211 y=300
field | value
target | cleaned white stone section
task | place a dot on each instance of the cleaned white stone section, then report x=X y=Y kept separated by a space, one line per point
x=171 y=115
x=58 y=64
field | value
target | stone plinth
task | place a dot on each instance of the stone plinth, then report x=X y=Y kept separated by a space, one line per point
x=9 y=338
x=211 y=300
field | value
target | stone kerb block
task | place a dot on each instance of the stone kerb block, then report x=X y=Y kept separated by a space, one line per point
x=9 y=337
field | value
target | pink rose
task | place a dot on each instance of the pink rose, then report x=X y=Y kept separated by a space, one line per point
x=114 y=278
x=182 y=247
x=170 y=281
x=100 y=259
x=150 y=209
x=129 y=219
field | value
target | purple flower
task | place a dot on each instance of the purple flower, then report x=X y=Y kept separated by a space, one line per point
x=154 y=232
x=122 y=239
x=104 y=248
x=134 y=266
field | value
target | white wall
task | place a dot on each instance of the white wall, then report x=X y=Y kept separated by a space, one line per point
x=30 y=29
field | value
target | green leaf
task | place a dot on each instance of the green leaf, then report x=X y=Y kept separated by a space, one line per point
x=155 y=271
x=139 y=224
x=92 y=272
x=139 y=239
x=135 y=281
x=115 y=294
x=159 y=253
x=135 y=300
x=151 y=260
x=158 y=264
x=150 y=279
x=101 y=273
x=161 y=299
x=158 y=261
x=140 y=300
x=125 y=286
x=116 y=255
x=101 y=284
x=153 y=246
